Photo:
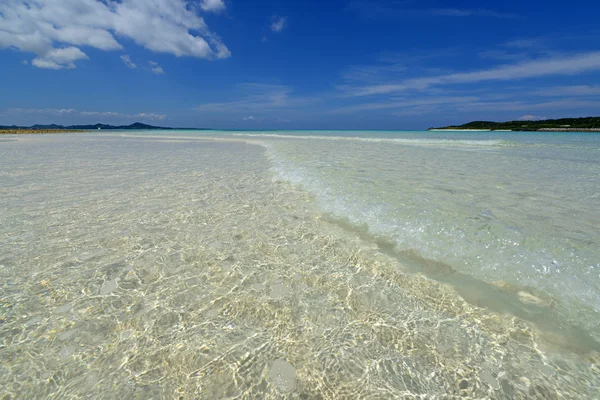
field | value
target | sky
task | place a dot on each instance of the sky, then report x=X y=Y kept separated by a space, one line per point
x=283 y=64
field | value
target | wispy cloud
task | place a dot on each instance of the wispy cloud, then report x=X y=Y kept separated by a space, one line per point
x=452 y=105
x=372 y=73
x=55 y=32
x=571 y=65
x=398 y=9
x=460 y=12
x=250 y=118
x=212 y=5
x=127 y=61
x=564 y=104
x=452 y=93
x=155 y=68
x=257 y=98
x=530 y=117
x=278 y=23
x=520 y=50
x=580 y=90
x=404 y=104
x=525 y=43
x=378 y=9
x=75 y=112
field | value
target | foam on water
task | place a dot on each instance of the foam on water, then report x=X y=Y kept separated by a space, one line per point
x=406 y=141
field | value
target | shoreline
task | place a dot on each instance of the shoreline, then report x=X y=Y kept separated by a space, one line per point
x=37 y=131
x=511 y=130
x=459 y=130
x=569 y=130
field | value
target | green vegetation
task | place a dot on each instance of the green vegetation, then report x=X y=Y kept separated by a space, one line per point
x=567 y=124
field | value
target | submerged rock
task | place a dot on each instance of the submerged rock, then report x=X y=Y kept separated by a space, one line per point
x=283 y=375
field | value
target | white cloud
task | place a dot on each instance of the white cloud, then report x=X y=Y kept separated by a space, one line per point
x=530 y=117
x=452 y=12
x=278 y=23
x=74 y=112
x=47 y=64
x=404 y=104
x=457 y=12
x=54 y=29
x=153 y=116
x=212 y=5
x=257 y=98
x=404 y=9
x=581 y=90
x=566 y=65
x=127 y=60
x=565 y=104
x=59 y=58
x=250 y=118
x=156 y=69
x=372 y=73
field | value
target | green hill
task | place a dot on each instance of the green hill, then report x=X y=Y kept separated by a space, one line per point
x=563 y=124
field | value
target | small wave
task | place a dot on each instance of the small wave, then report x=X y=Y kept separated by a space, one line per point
x=401 y=141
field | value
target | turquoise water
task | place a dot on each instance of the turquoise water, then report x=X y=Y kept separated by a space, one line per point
x=520 y=208
x=322 y=264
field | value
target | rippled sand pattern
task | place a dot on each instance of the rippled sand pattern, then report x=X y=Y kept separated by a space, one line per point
x=133 y=268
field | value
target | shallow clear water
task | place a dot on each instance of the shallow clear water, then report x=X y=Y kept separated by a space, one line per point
x=165 y=265
x=516 y=209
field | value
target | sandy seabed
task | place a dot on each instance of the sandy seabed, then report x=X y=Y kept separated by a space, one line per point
x=132 y=268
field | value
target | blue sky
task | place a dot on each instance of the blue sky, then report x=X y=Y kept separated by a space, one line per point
x=339 y=64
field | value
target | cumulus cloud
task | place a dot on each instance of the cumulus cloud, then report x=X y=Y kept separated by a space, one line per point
x=212 y=5
x=250 y=118
x=278 y=23
x=127 y=60
x=55 y=29
x=59 y=58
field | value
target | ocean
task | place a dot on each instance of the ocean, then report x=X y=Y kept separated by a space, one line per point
x=300 y=264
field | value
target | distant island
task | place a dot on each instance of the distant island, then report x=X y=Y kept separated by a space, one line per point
x=587 y=124
x=53 y=128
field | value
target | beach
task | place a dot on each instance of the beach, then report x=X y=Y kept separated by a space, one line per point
x=299 y=265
